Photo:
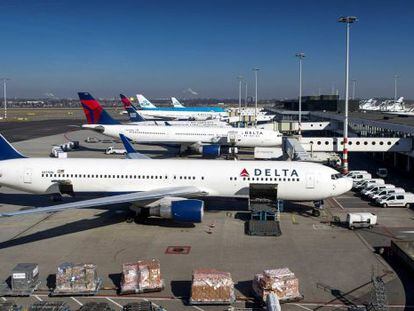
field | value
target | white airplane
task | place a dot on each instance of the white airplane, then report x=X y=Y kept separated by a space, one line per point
x=136 y=118
x=162 y=188
x=200 y=139
x=183 y=113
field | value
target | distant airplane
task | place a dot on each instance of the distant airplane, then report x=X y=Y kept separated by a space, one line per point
x=136 y=117
x=170 y=188
x=195 y=138
x=147 y=105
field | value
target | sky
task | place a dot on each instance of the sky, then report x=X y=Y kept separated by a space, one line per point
x=163 y=48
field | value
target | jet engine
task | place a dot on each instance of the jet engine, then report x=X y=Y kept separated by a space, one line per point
x=208 y=151
x=179 y=209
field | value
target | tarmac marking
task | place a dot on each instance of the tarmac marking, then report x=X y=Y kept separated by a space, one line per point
x=4 y=299
x=77 y=301
x=114 y=302
x=198 y=308
x=145 y=299
x=303 y=307
x=337 y=203
x=294 y=220
x=37 y=297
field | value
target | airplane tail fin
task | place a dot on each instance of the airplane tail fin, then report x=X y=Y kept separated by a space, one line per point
x=7 y=151
x=144 y=103
x=131 y=152
x=133 y=113
x=176 y=103
x=94 y=112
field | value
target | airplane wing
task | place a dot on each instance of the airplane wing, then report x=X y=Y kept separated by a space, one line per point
x=131 y=152
x=116 y=199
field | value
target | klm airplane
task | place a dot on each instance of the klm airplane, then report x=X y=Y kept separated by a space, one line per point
x=145 y=104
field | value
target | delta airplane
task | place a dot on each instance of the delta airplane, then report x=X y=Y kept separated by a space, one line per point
x=165 y=188
x=206 y=140
x=136 y=118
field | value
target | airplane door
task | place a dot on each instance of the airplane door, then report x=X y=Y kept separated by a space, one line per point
x=310 y=181
x=27 y=176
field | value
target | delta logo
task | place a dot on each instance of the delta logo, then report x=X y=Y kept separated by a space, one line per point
x=244 y=173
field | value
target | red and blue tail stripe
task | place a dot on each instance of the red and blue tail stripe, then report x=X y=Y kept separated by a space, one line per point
x=94 y=112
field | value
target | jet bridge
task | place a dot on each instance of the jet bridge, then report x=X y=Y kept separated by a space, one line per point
x=298 y=148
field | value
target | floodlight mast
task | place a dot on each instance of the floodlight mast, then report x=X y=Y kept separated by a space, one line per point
x=348 y=20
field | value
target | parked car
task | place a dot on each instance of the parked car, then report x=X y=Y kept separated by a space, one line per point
x=395 y=200
x=360 y=177
x=368 y=182
x=375 y=189
x=387 y=192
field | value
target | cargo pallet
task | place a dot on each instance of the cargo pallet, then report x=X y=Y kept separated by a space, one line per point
x=263 y=228
x=6 y=291
x=57 y=293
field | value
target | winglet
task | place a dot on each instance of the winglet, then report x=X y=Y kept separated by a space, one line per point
x=131 y=152
x=94 y=112
x=7 y=151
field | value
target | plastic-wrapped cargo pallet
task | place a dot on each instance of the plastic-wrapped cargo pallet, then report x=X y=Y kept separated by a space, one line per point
x=210 y=286
x=282 y=282
x=142 y=276
x=77 y=278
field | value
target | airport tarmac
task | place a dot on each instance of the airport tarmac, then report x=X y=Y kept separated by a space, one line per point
x=334 y=265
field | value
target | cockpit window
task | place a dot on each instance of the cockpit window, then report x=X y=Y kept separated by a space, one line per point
x=336 y=176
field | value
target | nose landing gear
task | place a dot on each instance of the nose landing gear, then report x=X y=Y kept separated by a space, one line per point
x=318 y=206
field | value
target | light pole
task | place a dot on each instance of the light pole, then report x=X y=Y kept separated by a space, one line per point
x=348 y=20
x=353 y=88
x=255 y=97
x=5 y=95
x=300 y=56
x=395 y=87
x=240 y=78
x=245 y=94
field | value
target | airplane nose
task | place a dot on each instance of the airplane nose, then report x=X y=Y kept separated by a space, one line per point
x=344 y=185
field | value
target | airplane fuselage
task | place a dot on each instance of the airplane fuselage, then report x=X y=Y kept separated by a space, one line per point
x=242 y=137
x=296 y=181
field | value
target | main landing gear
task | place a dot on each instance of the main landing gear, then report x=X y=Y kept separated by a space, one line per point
x=318 y=206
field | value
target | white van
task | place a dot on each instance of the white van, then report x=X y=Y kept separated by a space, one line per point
x=376 y=188
x=386 y=193
x=401 y=199
x=366 y=183
x=359 y=177
x=361 y=220
x=352 y=173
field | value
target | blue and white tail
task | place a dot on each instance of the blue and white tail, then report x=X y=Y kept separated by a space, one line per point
x=134 y=115
x=7 y=151
x=145 y=103
x=176 y=103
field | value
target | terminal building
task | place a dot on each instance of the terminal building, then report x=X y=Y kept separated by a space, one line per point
x=320 y=103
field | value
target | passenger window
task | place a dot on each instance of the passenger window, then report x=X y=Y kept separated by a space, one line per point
x=400 y=197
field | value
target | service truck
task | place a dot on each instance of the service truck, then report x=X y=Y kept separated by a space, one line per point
x=361 y=220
